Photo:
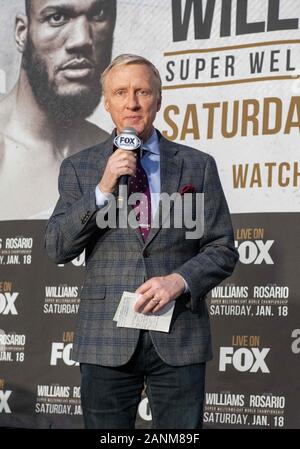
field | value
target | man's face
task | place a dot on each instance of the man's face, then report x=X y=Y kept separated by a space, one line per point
x=132 y=98
x=68 y=46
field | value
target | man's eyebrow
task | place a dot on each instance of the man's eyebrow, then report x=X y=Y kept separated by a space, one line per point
x=69 y=8
x=62 y=8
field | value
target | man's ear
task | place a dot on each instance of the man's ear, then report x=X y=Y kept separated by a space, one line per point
x=106 y=105
x=159 y=103
x=21 y=30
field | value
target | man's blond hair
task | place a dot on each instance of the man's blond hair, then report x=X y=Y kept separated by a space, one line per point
x=131 y=59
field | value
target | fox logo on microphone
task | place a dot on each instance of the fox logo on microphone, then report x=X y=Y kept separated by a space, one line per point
x=127 y=140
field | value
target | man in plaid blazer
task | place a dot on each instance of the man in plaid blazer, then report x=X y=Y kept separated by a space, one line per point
x=164 y=267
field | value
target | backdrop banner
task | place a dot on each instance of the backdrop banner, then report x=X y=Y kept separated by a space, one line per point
x=231 y=87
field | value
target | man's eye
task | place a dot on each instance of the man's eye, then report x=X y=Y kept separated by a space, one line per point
x=143 y=93
x=101 y=13
x=120 y=93
x=57 y=19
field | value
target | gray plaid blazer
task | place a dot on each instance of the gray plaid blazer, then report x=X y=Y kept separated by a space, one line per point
x=118 y=259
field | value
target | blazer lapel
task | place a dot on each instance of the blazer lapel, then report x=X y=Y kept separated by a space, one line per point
x=108 y=147
x=170 y=175
x=96 y=165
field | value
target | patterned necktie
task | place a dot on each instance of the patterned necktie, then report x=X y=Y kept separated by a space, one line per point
x=139 y=184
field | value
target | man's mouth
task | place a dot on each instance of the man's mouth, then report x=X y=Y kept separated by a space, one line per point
x=133 y=117
x=77 y=69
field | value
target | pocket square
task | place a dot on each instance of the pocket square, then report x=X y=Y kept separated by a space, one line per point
x=188 y=188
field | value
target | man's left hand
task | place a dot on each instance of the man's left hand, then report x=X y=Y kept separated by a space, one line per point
x=157 y=292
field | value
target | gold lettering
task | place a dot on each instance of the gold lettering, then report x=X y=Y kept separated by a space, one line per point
x=245 y=340
x=7 y=286
x=68 y=337
x=175 y=109
x=191 y=113
x=267 y=129
x=240 y=175
x=235 y=120
x=294 y=107
x=211 y=118
x=281 y=181
x=258 y=233
x=270 y=166
x=250 y=117
x=254 y=340
x=296 y=175
x=256 y=176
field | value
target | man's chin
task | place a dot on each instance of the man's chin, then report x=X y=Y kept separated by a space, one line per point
x=68 y=105
x=74 y=89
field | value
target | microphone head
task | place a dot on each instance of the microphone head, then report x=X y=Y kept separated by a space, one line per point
x=128 y=139
x=129 y=130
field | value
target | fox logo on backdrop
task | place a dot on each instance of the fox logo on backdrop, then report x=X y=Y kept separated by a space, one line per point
x=244 y=359
x=62 y=352
x=4 y=397
x=7 y=303
x=256 y=252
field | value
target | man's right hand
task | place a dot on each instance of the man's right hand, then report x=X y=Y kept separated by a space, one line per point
x=120 y=163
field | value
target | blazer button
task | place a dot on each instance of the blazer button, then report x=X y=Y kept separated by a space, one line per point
x=146 y=253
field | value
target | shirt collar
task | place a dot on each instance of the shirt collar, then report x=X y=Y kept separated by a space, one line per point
x=152 y=144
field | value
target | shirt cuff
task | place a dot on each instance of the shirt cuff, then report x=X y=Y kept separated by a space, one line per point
x=186 y=287
x=101 y=198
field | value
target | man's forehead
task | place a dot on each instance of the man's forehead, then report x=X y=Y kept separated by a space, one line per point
x=128 y=70
x=38 y=5
x=137 y=76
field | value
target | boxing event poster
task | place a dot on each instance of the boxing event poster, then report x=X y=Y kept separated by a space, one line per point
x=230 y=72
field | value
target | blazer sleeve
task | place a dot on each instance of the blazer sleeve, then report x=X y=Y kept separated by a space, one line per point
x=73 y=222
x=217 y=255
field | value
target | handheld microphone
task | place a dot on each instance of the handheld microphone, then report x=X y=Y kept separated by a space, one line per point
x=128 y=141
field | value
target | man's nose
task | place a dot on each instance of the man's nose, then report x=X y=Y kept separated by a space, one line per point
x=132 y=101
x=80 y=35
